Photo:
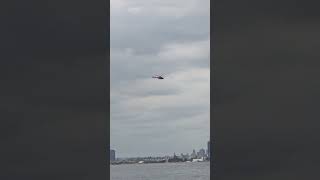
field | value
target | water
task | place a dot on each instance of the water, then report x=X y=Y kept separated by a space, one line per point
x=161 y=171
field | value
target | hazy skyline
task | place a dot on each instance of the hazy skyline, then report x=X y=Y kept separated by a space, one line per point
x=158 y=117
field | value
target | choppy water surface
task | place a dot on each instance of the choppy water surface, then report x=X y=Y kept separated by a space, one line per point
x=163 y=171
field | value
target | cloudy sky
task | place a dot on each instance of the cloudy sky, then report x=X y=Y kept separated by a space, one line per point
x=148 y=37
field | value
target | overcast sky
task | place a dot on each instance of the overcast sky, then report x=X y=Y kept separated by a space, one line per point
x=159 y=117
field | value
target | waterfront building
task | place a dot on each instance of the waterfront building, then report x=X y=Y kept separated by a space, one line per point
x=193 y=154
x=175 y=159
x=208 y=149
x=112 y=155
x=187 y=156
x=202 y=153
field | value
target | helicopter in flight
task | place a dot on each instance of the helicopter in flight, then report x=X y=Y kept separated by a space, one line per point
x=158 y=77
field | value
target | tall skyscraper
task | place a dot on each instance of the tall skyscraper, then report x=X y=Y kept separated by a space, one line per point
x=112 y=155
x=202 y=153
x=208 y=149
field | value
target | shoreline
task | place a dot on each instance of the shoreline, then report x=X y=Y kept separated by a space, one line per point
x=128 y=163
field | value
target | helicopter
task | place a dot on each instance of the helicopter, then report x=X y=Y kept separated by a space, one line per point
x=158 y=77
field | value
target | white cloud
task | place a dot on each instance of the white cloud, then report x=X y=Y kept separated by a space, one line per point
x=115 y=5
x=164 y=8
x=186 y=51
x=134 y=10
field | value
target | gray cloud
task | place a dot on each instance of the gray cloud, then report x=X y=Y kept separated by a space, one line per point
x=170 y=37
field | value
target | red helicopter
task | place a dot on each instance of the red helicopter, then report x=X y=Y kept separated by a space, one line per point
x=158 y=77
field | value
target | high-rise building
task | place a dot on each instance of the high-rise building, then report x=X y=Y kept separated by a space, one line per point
x=193 y=154
x=202 y=153
x=208 y=146
x=112 y=155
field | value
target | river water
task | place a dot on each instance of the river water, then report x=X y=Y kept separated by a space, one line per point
x=161 y=171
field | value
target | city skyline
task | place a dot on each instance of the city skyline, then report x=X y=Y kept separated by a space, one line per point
x=170 y=38
x=206 y=151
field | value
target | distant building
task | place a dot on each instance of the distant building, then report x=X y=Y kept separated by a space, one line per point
x=202 y=153
x=175 y=159
x=112 y=155
x=184 y=156
x=208 y=149
x=193 y=154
